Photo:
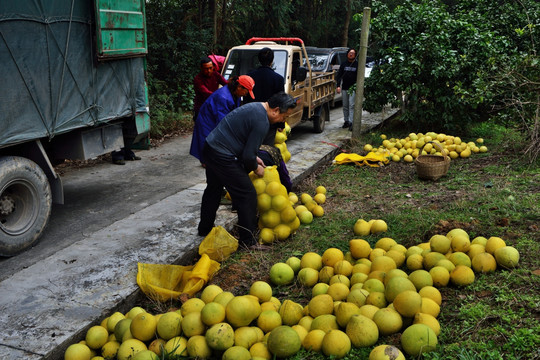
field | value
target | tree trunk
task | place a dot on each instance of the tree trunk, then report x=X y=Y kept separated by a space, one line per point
x=345 y=39
x=213 y=13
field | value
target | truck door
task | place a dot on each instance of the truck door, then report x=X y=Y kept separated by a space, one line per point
x=296 y=89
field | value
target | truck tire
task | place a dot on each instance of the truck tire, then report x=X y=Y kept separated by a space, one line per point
x=25 y=204
x=320 y=120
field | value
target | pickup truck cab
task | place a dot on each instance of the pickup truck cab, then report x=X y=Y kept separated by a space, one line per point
x=313 y=91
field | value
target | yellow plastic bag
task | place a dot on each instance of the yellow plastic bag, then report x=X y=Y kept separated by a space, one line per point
x=371 y=159
x=218 y=244
x=165 y=282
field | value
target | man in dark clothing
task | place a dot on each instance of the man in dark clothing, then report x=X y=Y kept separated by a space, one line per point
x=230 y=154
x=346 y=77
x=267 y=81
x=205 y=83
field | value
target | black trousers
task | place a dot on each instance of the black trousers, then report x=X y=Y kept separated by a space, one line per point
x=227 y=171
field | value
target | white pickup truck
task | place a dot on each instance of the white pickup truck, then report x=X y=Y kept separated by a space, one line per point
x=314 y=91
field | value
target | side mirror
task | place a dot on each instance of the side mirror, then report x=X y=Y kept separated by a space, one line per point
x=301 y=74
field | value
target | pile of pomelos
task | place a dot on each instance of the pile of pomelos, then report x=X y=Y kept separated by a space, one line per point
x=357 y=296
x=279 y=142
x=409 y=148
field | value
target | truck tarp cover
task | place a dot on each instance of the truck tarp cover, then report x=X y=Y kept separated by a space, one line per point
x=51 y=81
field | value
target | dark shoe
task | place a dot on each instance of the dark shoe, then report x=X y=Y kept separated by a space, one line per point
x=346 y=124
x=134 y=157
x=119 y=162
x=350 y=128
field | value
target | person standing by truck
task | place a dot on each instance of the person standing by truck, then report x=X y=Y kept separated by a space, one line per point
x=216 y=107
x=268 y=81
x=205 y=83
x=346 y=77
x=230 y=154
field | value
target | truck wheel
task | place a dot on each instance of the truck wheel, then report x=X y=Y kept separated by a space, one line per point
x=320 y=120
x=25 y=204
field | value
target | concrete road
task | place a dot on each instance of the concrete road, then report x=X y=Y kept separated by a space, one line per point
x=85 y=265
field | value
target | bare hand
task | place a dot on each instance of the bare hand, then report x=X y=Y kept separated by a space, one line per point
x=259 y=171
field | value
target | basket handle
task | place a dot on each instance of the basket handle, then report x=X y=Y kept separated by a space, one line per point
x=439 y=146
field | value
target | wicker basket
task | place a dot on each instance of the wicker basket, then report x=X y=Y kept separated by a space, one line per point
x=432 y=167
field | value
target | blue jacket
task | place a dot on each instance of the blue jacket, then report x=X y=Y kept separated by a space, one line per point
x=214 y=109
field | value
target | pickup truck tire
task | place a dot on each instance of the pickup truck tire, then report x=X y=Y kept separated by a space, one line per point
x=25 y=204
x=320 y=120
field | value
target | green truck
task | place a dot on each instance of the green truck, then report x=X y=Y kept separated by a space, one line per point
x=74 y=87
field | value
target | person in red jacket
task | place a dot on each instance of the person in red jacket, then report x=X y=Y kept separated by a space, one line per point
x=205 y=83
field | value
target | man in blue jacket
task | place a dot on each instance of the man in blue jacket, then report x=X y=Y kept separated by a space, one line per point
x=230 y=154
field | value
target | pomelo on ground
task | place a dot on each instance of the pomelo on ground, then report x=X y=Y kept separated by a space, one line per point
x=440 y=276
x=290 y=312
x=321 y=304
x=192 y=324
x=77 y=352
x=245 y=336
x=417 y=339
x=313 y=340
x=507 y=257
x=362 y=331
x=241 y=310
x=129 y=348
x=331 y=256
x=268 y=320
x=429 y=320
x=220 y=336
x=408 y=303
x=484 y=263
x=359 y=248
x=96 y=337
x=145 y=355
x=494 y=243
x=192 y=305
x=110 y=349
x=386 y=352
x=143 y=326
x=211 y=314
x=308 y=276
x=209 y=293
x=281 y=274
x=294 y=263
x=169 y=325
x=197 y=347
x=325 y=322
x=283 y=341
x=336 y=343
x=361 y=228
x=388 y=321
x=462 y=275
x=325 y=274
x=262 y=290
x=378 y=226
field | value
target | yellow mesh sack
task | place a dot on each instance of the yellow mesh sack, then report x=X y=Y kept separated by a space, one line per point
x=371 y=159
x=218 y=244
x=165 y=282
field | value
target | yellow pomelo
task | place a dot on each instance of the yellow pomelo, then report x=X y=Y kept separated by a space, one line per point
x=211 y=314
x=305 y=322
x=361 y=228
x=321 y=304
x=192 y=305
x=311 y=260
x=358 y=297
x=260 y=350
x=305 y=198
x=415 y=262
x=344 y=311
x=429 y=320
x=388 y=321
x=368 y=310
x=209 y=293
x=397 y=285
x=447 y=264
x=358 y=278
x=325 y=322
x=293 y=198
x=283 y=341
x=459 y=258
x=306 y=217
x=280 y=137
x=336 y=343
x=362 y=331
x=440 y=276
x=313 y=340
x=507 y=257
x=236 y=353
x=338 y=278
x=223 y=298
x=294 y=225
x=338 y=291
x=343 y=267
x=288 y=214
x=96 y=337
x=77 y=352
x=418 y=339
x=110 y=349
x=318 y=211
x=220 y=336
x=271 y=218
x=320 y=198
x=440 y=244
x=268 y=320
x=386 y=352
x=264 y=202
x=377 y=299
x=480 y=240
x=259 y=186
x=372 y=285
x=383 y=263
x=145 y=355
x=331 y=256
x=394 y=273
x=396 y=255
x=192 y=324
x=281 y=274
x=130 y=347
x=134 y=311
x=475 y=249
x=280 y=202
x=268 y=305
x=494 y=243
x=241 y=310
x=459 y=240
x=362 y=267
x=431 y=258
x=300 y=209
x=143 y=326
x=320 y=190
x=430 y=307
x=325 y=274
x=169 y=325
x=484 y=263
x=273 y=188
x=267 y=236
x=245 y=336
x=421 y=278
x=301 y=331
x=308 y=277
x=431 y=293
x=359 y=248
x=424 y=246
x=176 y=346
x=385 y=243
x=378 y=226
x=290 y=312
x=113 y=320
x=408 y=303
x=262 y=290
x=294 y=263
x=157 y=346
x=197 y=347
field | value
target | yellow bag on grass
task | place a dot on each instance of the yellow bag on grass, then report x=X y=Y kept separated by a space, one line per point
x=218 y=244
x=371 y=159
x=165 y=282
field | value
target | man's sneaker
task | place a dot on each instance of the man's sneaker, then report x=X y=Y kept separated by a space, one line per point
x=346 y=124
